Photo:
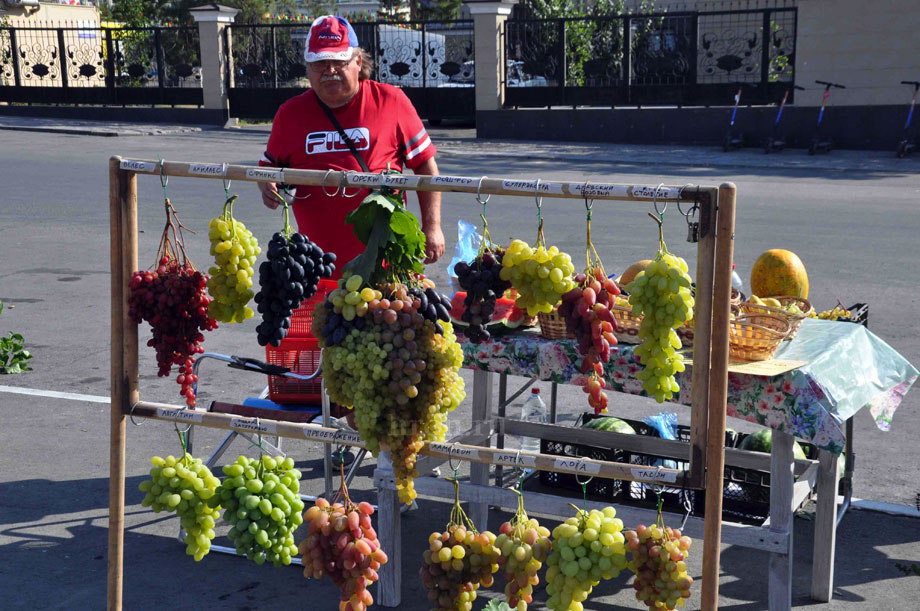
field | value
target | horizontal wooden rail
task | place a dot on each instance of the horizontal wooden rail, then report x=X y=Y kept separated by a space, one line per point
x=584 y=467
x=333 y=180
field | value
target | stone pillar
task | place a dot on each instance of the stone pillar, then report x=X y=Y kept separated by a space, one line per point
x=212 y=22
x=488 y=19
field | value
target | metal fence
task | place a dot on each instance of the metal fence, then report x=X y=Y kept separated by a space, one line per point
x=422 y=58
x=688 y=58
x=95 y=65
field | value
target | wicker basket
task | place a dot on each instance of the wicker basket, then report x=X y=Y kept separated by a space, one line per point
x=795 y=320
x=755 y=337
x=627 y=327
x=552 y=325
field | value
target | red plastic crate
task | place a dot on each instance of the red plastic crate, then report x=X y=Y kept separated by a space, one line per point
x=300 y=355
x=302 y=318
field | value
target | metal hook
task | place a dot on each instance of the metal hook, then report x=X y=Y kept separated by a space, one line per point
x=164 y=180
x=536 y=194
x=479 y=193
x=582 y=483
x=655 y=202
x=227 y=182
x=323 y=186
x=176 y=421
x=131 y=416
x=450 y=462
x=344 y=186
x=589 y=203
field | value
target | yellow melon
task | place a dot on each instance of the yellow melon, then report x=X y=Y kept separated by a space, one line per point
x=779 y=272
x=632 y=271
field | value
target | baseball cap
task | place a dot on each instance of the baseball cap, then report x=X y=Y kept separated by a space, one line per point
x=330 y=37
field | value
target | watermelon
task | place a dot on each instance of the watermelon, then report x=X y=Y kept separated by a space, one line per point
x=505 y=316
x=609 y=423
x=762 y=441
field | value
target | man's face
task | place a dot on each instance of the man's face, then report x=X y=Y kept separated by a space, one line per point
x=335 y=82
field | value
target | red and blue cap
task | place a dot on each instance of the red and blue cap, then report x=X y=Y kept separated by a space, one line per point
x=330 y=37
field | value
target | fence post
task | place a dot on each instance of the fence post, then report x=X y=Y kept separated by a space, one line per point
x=109 y=60
x=274 y=42
x=14 y=48
x=424 y=58
x=563 y=64
x=161 y=62
x=488 y=20
x=62 y=57
x=627 y=58
x=766 y=40
x=212 y=20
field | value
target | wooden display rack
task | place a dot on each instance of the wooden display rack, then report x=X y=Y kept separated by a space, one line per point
x=709 y=374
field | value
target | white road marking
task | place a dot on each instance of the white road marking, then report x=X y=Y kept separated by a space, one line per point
x=16 y=390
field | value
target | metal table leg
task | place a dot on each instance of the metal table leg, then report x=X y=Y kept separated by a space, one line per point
x=500 y=437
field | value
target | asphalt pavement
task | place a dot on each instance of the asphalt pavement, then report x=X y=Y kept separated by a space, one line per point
x=851 y=216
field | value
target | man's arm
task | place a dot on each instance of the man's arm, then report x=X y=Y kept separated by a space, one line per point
x=429 y=203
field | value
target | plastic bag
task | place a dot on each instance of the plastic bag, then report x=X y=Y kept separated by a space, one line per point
x=666 y=425
x=468 y=241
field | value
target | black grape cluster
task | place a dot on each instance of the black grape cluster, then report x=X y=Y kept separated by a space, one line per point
x=483 y=286
x=290 y=275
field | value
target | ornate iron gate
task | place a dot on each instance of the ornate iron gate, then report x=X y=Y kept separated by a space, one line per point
x=431 y=61
x=91 y=65
x=684 y=58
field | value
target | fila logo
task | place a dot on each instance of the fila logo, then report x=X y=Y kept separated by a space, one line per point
x=331 y=142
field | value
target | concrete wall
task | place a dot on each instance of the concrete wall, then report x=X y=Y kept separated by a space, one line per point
x=49 y=15
x=870 y=47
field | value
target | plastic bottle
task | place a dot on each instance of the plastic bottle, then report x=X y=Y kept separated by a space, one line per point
x=533 y=410
x=736 y=279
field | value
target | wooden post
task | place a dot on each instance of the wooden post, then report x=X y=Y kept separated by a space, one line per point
x=482 y=413
x=781 y=513
x=718 y=391
x=699 y=414
x=122 y=214
x=822 y=572
x=389 y=529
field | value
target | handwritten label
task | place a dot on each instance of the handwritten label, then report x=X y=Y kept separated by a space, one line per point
x=530 y=186
x=137 y=166
x=579 y=466
x=454 y=181
x=514 y=459
x=256 y=426
x=590 y=190
x=363 y=179
x=265 y=174
x=206 y=169
x=180 y=415
x=400 y=180
x=455 y=452
x=332 y=436
x=650 y=193
x=655 y=475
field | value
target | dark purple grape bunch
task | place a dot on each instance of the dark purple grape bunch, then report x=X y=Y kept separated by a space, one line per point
x=483 y=285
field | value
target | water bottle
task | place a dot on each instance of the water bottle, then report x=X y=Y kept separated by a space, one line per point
x=736 y=279
x=533 y=410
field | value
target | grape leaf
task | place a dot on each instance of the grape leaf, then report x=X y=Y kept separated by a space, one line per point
x=496 y=605
x=364 y=216
x=13 y=357
x=392 y=236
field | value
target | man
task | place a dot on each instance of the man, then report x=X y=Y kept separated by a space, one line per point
x=378 y=118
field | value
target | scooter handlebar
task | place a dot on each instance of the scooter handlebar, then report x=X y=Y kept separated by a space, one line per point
x=914 y=83
x=828 y=84
x=799 y=87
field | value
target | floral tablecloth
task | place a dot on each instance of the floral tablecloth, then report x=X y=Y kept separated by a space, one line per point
x=848 y=368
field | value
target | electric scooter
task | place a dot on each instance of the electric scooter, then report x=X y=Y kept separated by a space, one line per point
x=733 y=141
x=908 y=141
x=774 y=142
x=817 y=144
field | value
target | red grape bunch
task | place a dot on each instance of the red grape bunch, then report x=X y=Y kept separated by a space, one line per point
x=587 y=314
x=341 y=544
x=457 y=562
x=173 y=298
x=483 y=284
x=658 y=558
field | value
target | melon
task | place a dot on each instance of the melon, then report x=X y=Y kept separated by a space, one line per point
x=630 y=273
x=779 y=272
x=610 y=423
x=762 y=441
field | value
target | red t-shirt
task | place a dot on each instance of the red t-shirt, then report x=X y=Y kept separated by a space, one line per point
x=385 y=128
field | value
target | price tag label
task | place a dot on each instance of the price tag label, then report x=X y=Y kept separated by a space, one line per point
x=589 y=190
x=650 y=192
x=180 y=415
x=513 y=459
x=364 y=180
x=206 y=169
x=331 y=436
x=137 y=166
x=654 y=475
x=265 y=174
x=400 y=181
x=455 y=452
x=454 y=181
x=254 y=426
x=577 y=465
x=530 y=186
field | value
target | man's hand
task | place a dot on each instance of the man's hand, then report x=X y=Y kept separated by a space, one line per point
x=434 y=243
x=272 y=201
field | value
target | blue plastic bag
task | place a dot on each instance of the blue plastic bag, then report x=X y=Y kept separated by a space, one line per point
x=468 y=241
x=666 y=425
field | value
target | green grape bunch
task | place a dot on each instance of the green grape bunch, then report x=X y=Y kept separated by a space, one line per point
x=261 y=502
x=661 y=295
x=586 y=549
x=234 y=249
x=540 y=275
x=186 y=486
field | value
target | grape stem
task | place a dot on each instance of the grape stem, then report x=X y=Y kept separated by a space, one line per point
x=227 y=216
x=458 y=517
x=170 y=247
x=662 y=247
